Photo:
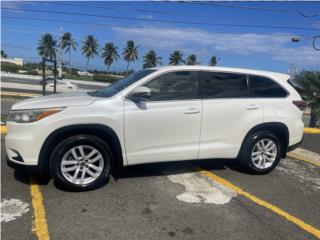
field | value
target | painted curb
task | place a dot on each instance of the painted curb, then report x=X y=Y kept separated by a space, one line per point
x=312 y=130
x=4 y=129
x=17 y=94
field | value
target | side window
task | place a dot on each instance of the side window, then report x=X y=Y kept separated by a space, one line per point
x=174 y=86
x=224 y=85
x=265 y=88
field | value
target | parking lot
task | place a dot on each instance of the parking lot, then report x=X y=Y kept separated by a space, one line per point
x=208 y=199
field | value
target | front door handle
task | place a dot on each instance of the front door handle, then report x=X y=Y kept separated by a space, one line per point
x=252 y=107
x=192 y=111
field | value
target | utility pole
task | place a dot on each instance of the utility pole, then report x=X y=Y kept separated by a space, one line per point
x=60 y=52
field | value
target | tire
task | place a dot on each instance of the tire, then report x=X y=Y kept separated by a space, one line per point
x=72 y=157
x=254 y=159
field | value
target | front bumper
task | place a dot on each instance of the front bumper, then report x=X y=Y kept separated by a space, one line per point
x=29 y=168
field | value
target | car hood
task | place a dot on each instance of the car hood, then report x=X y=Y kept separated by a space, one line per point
x=55 y=100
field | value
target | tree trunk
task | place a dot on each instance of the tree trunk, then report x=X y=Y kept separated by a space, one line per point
x=313 y=119
x=70 y=62
x=87 y=64
x=128 y=66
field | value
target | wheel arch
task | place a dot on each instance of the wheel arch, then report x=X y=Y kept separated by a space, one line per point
x=277 y=128
x=104 y=132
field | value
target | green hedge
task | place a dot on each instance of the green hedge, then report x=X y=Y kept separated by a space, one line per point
x=9 y=67
x=105 y=78
x=31 y=72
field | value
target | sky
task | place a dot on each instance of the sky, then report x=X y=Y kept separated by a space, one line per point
x=254 y=35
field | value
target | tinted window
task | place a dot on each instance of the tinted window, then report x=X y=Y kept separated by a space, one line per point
x=265 y=88
x=224 y=85
x=121 y=84
x=174 y=86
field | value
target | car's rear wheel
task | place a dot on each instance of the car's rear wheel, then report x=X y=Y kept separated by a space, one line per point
x=260 y=153
x=81 y=162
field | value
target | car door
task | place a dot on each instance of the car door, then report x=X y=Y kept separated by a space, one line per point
x=228 y=114
x=165 y=127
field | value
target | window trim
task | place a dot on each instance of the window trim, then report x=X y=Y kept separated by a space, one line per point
x=199 y=97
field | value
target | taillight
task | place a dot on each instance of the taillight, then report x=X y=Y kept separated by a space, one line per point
x=302 y=105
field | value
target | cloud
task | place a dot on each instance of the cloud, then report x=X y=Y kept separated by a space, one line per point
x=274 y=46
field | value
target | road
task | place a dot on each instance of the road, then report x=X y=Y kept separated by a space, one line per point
x=156 y=201
x=5 y=79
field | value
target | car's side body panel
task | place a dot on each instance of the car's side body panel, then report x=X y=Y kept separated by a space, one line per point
x=162 y=131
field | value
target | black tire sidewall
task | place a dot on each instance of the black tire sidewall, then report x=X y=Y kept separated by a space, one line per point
x=66 y=145
x=246 y=159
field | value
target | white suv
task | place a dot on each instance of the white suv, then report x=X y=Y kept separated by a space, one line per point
x=158 y=115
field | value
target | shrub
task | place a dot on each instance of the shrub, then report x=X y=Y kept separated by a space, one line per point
x=31 y=72
x=105 y=78
x=9 y=67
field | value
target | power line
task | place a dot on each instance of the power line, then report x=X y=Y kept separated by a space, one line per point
x=158 y=20
x=169 y=13
x=251 y=8
x=128 y=26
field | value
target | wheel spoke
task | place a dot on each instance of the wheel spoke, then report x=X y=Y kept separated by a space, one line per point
x=81 y=151
x=92 y=174
x=68 y=162
x=98 y=169
x=69 y=169
x=82 y=177
x=91 y=154
x=95 y=159
x=74 y=154
x=74 y=178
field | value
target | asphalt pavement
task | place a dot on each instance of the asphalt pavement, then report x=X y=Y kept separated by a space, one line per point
x=169 y=201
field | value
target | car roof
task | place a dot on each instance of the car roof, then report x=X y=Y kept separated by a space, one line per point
x=225 y=69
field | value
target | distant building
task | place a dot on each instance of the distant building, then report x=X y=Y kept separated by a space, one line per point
x=85 y=73
x=17 y=61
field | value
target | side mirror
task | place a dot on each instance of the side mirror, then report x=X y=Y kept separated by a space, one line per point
x=140 y=94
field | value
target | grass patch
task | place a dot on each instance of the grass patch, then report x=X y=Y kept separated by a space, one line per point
x=3 y=119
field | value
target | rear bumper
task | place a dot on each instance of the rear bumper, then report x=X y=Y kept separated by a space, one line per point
x=294 y=146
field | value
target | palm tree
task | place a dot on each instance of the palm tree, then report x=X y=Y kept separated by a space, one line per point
x=213 y=61
x=110 y=54
x=89 y=48
x=308 y=84
x=176 y=58
x=68 y=43
x=192 y=60
x=130 y=52
x=3 y=54
x=47 y=46
x=151 y=59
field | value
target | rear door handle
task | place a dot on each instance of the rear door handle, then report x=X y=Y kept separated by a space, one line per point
x=192 y=111
x=252 y=107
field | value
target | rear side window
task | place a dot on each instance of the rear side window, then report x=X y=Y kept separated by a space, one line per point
x=265 y=88
x=224 y=85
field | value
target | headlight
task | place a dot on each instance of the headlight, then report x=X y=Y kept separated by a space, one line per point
x=27 y=116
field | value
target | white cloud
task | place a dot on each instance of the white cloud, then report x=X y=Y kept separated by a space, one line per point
x=274 y=46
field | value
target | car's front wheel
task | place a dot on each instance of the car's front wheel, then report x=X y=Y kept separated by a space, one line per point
x=260 y=153
x=81 y=162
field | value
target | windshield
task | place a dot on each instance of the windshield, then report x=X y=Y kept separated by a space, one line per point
x=121 y=84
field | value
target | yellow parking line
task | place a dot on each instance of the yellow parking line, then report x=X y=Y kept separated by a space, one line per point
x=18 y=94
x=303 y=159
x=40 y=227
x=308 y=228
x=312 y=130
x=3 y=130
